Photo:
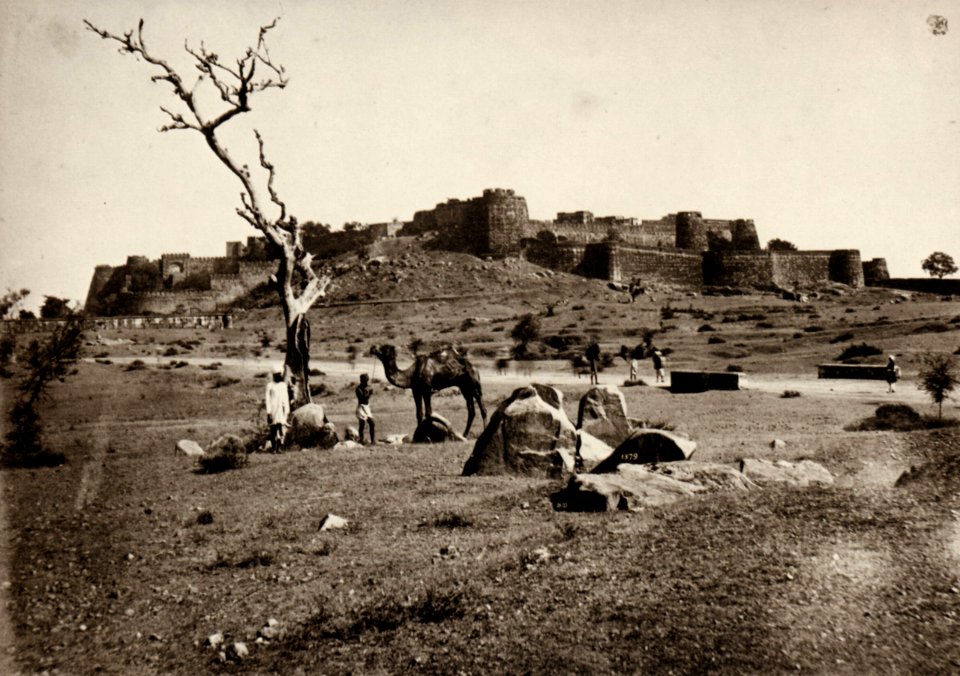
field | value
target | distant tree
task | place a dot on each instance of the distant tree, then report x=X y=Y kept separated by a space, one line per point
x=781 y=245
x=232 y=83
x=11 y=300
x=26 y=314
x=938 y=378
x=526 y=331
x=44 y=362
x=55 y=308
x=939 y=264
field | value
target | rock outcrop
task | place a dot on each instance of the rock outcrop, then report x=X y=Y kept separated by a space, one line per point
x=529 y=434
x=803 y=473
x=603 y=414
x=435 y=429
x=648 y=446
x=309 y=428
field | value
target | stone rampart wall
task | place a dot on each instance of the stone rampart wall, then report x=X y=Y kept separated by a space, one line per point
x=670 y=267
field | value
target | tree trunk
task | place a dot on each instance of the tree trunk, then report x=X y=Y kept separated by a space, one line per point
x=297 y=362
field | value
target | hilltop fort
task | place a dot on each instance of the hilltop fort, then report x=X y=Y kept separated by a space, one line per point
x=680 y=248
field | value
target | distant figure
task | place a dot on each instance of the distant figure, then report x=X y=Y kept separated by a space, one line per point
x=593 y=356
x=893 y=374
x=502 y=364
x=633 y=369
x=658 y=365
x=364 y=414
x=278 y=409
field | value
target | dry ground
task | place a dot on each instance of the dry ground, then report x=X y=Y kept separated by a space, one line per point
x=126 y=559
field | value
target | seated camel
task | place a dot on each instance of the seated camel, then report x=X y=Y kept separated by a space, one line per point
x=431 y=373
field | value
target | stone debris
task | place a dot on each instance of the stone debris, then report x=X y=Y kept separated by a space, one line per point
x=189 y=448
x=332 y=521
x=802 y=474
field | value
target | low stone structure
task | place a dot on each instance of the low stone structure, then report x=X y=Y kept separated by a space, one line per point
x=688 y=382
x=852 y=371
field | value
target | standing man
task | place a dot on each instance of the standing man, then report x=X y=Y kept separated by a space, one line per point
x=278 y=409
x=593 y=356
x=658 y=365
x=364 y=414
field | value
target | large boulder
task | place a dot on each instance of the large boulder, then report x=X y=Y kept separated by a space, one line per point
x=309 y=428
x=649 y=446
x=591 y=451
x=435 y=429
x=633 y=487
x=603 y=413
x=529 y=434
x=802 y=474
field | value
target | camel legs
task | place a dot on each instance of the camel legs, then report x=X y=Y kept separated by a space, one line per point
x=471 y=410
x=418 y=401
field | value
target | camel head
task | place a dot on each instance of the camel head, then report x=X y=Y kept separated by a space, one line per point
x=385 y=353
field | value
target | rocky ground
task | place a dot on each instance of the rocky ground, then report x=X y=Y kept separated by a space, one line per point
x=127 y=560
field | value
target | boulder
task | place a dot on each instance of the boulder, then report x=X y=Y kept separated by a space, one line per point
x=649 y=446
x=332 y=522
x=309 y=428
x=527 y=435
x=802 y=474
x=398 y=439
x=778 y=444
x=346 y=445
x=435 y=429
x=633 y=487
x=590 y=451
x=189 y=448
x=603 y=413
x=351 y=434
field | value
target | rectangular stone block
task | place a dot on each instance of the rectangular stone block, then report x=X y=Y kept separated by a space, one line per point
x=702 y=381
x=852 y=371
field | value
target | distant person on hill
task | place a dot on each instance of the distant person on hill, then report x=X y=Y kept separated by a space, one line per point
x=278 y=409
x=593 y=356
x=658 y=361
x=364 y=414
x=893 y=374
x=634 y=364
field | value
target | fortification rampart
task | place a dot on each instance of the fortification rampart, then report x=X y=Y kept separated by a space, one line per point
x=669 y=267
x=786 y=269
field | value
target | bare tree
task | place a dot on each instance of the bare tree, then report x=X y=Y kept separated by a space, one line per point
x=296 y=282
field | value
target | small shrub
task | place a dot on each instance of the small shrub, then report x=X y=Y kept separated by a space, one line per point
x=765 y=325
x=205 y=518
x=171 y=352
x=734 y=368
x=842 y=338
x=813 y=329
x=231 y=455
x=895 y=417
x=212 y=366
x=715 y=340
x=452 y=520
x=932 y=327
x=223 y=382
x=858 y=351
x=105 y=362
x=789 y=394
x=705 y=328
x=136 y=365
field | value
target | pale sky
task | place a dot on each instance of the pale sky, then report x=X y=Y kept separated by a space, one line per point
x=831 y=124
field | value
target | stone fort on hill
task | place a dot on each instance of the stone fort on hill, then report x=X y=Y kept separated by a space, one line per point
x=682 y=248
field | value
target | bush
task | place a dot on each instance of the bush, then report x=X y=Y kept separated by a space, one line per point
x=136 y=365
x=895 y=417
x=932 y=327
x=232 y=454
x=705 y=328
x=223 y=382
x=858 y=351
x=813 y=329
x=765 y=325
x=452 y=520
x=789 y=394
x=715 y=340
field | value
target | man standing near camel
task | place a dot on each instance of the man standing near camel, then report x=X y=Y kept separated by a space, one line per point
x=364 y=415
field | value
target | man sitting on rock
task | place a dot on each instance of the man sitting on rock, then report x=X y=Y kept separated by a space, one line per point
x=364 y=414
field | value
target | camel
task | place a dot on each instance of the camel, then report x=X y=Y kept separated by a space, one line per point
x=432 y=373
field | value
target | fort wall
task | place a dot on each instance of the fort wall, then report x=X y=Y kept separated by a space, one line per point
x=669 y=267
x=875 y=272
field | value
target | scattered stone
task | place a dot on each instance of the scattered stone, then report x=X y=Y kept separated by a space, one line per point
x=398 y=439
x=777 y=444
x=435 y=429
x=802 y=474
x=351 y=434
x=526 y=435
x=215 y=640
x=226 y=443
x=189 y=448
x=346 y=445
x=649 y=446
x=237 y=651
x=269 y=631
x=633 y=487
x=603 y=413
x=332 y=521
